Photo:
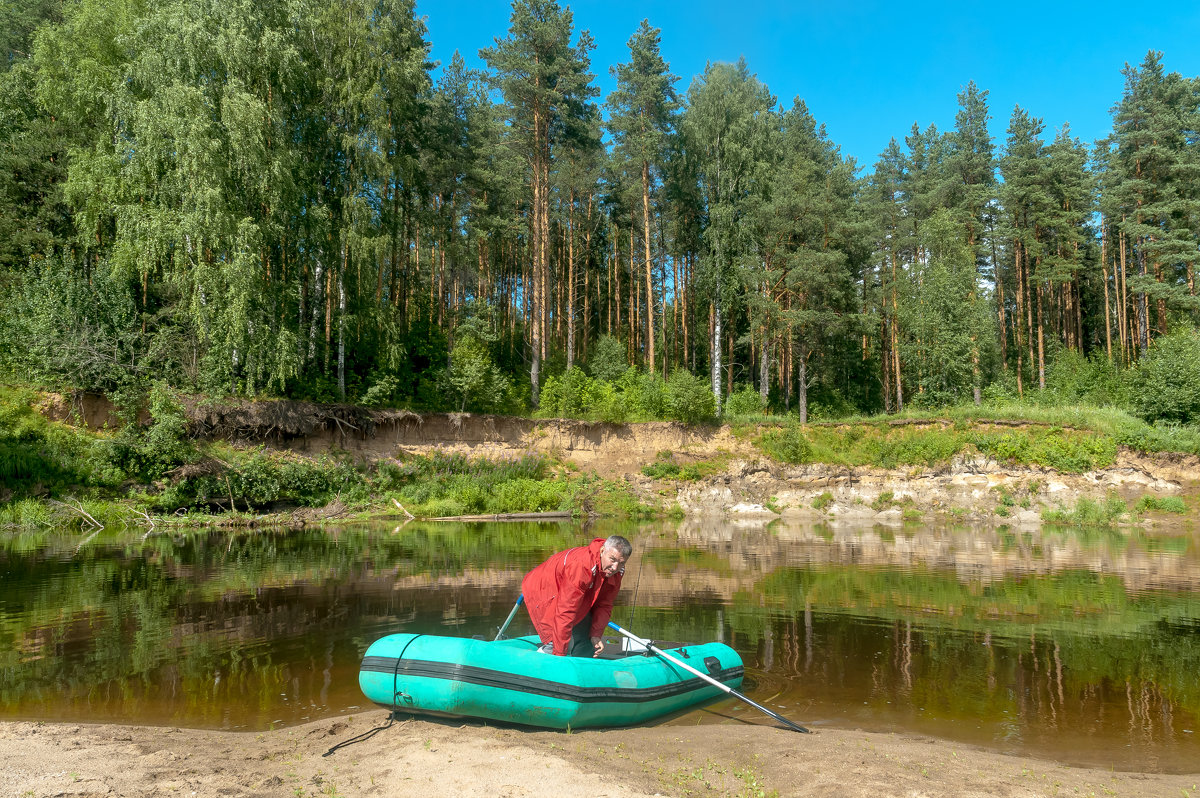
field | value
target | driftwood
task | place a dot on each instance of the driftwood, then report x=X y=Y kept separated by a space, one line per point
x=406 y=512
x=554 y=516
x=77 y=508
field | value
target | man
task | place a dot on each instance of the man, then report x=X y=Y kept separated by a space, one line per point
x=570 y=596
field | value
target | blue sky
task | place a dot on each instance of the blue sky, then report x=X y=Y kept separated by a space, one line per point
x=869 y=70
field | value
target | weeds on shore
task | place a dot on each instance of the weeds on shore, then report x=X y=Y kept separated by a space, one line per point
x=1087 y=512
x=885 y=445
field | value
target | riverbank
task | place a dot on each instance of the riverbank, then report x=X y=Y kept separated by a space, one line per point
x=365 y=755
x=279 y=463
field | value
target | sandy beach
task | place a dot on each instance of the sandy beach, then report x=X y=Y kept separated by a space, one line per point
x=372 y=754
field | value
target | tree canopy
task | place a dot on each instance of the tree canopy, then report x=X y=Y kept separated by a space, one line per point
x=293 y=200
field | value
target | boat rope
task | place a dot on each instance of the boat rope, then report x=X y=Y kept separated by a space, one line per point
x=396 y=672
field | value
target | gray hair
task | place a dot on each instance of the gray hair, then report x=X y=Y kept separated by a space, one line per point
x=620 y=544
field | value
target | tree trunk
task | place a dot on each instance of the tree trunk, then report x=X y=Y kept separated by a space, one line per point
x=802 y=383
x=1107 y=315
x=764 y=370
x=1041 y=348
x=341 y=359
x=650 y=355
x=716 y=354
x=571 y=281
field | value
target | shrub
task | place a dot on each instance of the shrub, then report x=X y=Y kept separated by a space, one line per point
x=566 y=395
x=605 y=402
x=383 y=388
x=472 y=379
x=689 y=398
x=1089 y=513
x=822 y=501
x=745 y=401
x=649 y=395
x=787 y=445
x=1162 y=504
x=607 y=361
x=1073 y=379
x=1167 y=383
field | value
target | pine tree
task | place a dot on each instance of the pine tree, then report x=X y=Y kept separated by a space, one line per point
x=642 y=110
x=545 y=81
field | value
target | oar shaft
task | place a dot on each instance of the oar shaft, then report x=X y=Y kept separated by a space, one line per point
x=511 y=615
x=724 y=687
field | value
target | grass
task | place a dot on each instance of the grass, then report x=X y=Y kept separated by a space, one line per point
x=1071 y=438
x=1089 y=513
x=1162 y=504
x=886 y=446
x=665 y=467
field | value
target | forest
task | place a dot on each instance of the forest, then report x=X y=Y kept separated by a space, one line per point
x=290 y=199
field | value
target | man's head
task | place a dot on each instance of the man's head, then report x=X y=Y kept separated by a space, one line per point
x=613 y=554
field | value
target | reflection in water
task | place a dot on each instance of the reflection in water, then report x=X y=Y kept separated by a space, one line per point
x=1083 y=649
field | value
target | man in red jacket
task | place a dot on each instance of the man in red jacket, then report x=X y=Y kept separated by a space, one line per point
x=570 y=596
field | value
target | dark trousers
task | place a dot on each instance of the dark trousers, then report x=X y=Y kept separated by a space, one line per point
x=581 y=639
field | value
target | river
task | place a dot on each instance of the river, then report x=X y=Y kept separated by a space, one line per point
x=1079 y=645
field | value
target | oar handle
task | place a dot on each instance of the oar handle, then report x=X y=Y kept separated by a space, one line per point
x=511 y=615
x=724 y=687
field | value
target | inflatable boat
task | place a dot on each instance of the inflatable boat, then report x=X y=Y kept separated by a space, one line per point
x=511 y=681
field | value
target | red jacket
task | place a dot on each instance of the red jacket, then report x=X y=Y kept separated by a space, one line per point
x=565 y=588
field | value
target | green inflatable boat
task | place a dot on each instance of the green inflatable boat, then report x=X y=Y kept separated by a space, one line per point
x=510 y=680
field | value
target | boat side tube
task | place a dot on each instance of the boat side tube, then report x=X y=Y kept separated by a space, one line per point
x=511 y=681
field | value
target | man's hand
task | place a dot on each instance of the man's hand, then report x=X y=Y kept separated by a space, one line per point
x=598 y=644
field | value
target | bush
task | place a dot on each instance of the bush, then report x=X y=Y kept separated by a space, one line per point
x=689 y=398
x=649 y=395
x=1162 y=504
x=1167 y=382
x=787 y=445
x=1073 y=379
x=745 y=401
x=472 y=379
x=607 y=361
x=1089 y=513
x=567 y=394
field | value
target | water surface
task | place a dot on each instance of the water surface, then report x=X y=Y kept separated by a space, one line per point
x=1082 y=647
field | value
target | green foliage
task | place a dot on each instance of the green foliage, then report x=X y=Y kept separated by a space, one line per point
x=1072 y=379
x=381 y=391
x=67 y=330
x=883 y=501
x=744 y=401
x=40 y=457
x=1167 y=381
x=689 y=398
x=665 y=467
x=473 y=380
x=822 y=501
x=568 y=395
x=262 y=481
x=1162 y=504
x=607 y=359
x=787 y=445
x=1069 y=451
x=888 y=446
x=1087 y=513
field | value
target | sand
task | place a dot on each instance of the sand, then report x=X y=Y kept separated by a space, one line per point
x=373 y=754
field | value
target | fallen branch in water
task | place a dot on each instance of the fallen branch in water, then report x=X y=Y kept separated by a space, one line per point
x=77 y=508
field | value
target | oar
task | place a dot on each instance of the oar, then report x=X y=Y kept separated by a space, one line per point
x=707 y=678
x=511 y=615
